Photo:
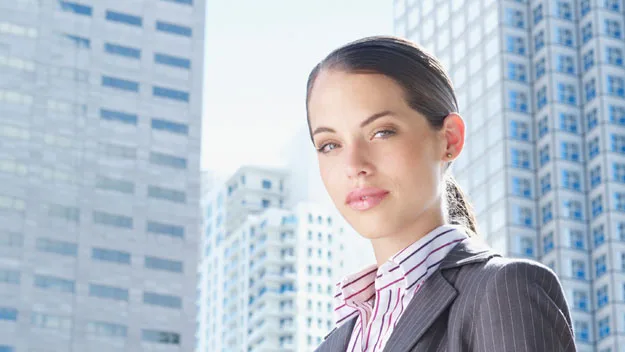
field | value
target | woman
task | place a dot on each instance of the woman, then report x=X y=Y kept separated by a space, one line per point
x=383 y=117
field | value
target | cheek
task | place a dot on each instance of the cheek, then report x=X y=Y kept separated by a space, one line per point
x=329 y=175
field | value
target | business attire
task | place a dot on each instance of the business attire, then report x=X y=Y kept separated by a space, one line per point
x=450 y=292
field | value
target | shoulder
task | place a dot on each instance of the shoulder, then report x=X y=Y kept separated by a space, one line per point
x=499 y=272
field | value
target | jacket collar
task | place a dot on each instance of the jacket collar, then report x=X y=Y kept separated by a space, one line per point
x=426 y=305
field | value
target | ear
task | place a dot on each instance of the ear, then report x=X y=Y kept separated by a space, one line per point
x=453 y=134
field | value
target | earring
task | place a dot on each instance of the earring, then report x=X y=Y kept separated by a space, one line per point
x=449 y=155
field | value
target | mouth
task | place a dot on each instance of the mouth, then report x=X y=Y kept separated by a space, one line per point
x=365 y=198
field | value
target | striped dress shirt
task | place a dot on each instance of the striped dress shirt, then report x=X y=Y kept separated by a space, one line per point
x=378 y=296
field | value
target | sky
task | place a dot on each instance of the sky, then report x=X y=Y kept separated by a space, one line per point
x=258 y=54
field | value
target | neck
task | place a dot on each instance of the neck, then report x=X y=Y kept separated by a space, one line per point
x=386 y=247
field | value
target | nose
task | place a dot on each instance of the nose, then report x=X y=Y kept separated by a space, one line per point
x=357 y=162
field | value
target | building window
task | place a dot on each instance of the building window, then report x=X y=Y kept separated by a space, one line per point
x=564 y=10
x=168 y=160
x=577 y=239
x=121 y=50
x=10 y=277
x=616 y=86
x=598 y=235
x=612 y=5
x=517 y=72
x=118 y=116
x=548 y=243
x=538 y=13
x=519 y=130
x=617 y=143
x=579 y=269
x=619 y=201
x=600 y=266
x=160 y=337
x=174 y=61
x=545 y=184
x=543 y=127
x=617 y=114
x=593 y=148
x=580 y=301
x=170 y=126
x=64 y=212
x=584 y=7
x=547 y=213
x=160 y=228
x=602 y=296
x=541 y=98
x=171 y=94
x=597 y=206
x=568 y=123
x=514 y=18
x=591 y=119
x=539 y=41
x=55 y=284
x=8 y=314
x=76 y=8
x=589 y=60
x=604 y=327
x=79 y=42
x=612 y=28
x=544 y=155
x=168 y=194
x=523 y=216
x=115 y=220
x=163 y=264
x=521 y=187
x=112 y=184
x=266 y=184
x=57 y=247
x=48 y=321
x=183 y=2
x=595 y=176
x=570 y=151
x=614 y=56
x=108 y=292
x=520 y=159
x=124 y=18
x=121 y=84
x=573 y=209
x=571 y=180
x=565 y=37
x=162 y=300
x=110 y=255
x=540 y=68
x=173 y=29
x=104 y=329
x=618 y=172
x=566 y=94
x=586 y=32
x=591 y=90
x=515 y=45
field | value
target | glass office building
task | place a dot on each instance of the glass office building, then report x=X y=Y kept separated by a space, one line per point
x=100 y=120
x=541 y=84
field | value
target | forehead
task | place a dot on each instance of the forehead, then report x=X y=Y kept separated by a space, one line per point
x=338 y=93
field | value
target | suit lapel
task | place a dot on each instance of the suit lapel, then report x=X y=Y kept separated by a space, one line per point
x=433 y=298
x=338 y=339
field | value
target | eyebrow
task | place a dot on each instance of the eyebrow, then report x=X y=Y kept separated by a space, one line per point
x=369 y=120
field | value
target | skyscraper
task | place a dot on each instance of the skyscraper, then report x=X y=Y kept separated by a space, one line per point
x=267 y=272
x=541 y=84
x=100 y=119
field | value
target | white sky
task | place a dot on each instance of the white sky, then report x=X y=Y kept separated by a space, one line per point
x=258 y=56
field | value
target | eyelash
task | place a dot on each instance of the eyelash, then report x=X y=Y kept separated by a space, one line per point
x=388 y=133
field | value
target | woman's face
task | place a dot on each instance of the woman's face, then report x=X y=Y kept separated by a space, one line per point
x=380 y=161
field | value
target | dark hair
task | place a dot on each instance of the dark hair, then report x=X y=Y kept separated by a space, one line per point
x=427 y=87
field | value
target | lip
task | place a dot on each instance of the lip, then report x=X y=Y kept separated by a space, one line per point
x=373 y=197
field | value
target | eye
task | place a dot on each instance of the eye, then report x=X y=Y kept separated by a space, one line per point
x=384 y=133
x=326 y=148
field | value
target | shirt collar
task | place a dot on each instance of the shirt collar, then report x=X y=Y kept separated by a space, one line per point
x=407 y=269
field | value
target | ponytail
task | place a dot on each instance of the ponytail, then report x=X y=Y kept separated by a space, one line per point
x=459 y=210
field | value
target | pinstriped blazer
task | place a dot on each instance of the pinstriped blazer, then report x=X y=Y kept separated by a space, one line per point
x=479 y=301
